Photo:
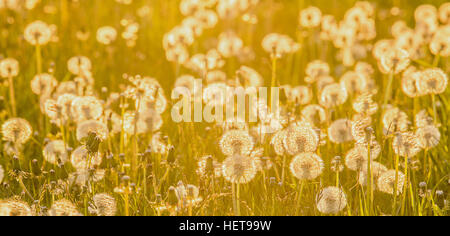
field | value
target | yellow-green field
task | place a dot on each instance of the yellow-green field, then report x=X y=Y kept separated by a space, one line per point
x=86 y=108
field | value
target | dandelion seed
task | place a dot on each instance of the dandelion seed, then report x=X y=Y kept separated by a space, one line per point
x=307 y=166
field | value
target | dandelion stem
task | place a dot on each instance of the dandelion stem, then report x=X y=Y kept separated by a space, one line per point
x=435 y=115
x=12 y=96
x=274 y=79
x=38 y=59
x=388 y=92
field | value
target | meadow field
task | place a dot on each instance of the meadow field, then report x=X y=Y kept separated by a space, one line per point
x=88 y=112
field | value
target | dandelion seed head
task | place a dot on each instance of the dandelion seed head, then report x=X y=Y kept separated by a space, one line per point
x=440 y=43
x=364 y=104
x=239 y=169
x=444 y=13
x=229 y=44
x=43 y=84
x=208 y=166
x=426 y=12
x=406 y=144
x=422 y=119
x=278 y=142
x=250 y=76
x=9 y=67
x=236 y=142
x=395 y=120
x=340 y=131
x=64 y=207
x=279 y=45
x=105 y=204
x=14 y=207
x=16 y=130
x=387 y=182
x=381 y=48
x=106 y=35
x=148 y=121
x=84 y=177
x=394 y=61
x=356 y=158
x=55 y=152
x=300 y=137
x=333 y=95
x=331 y=200
x=86 y=108
x=376 y=168
x=432 y=81
x=299 y=95
x=307 y=166
x=88 y=127
x=82 y=160
x=360 y=124
x=315 y=70
x=428 y=136
x=38 y=33
x=310 y=17
x=79 y=65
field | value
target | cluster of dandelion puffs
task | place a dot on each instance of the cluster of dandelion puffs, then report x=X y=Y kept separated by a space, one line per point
x=94 y=139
